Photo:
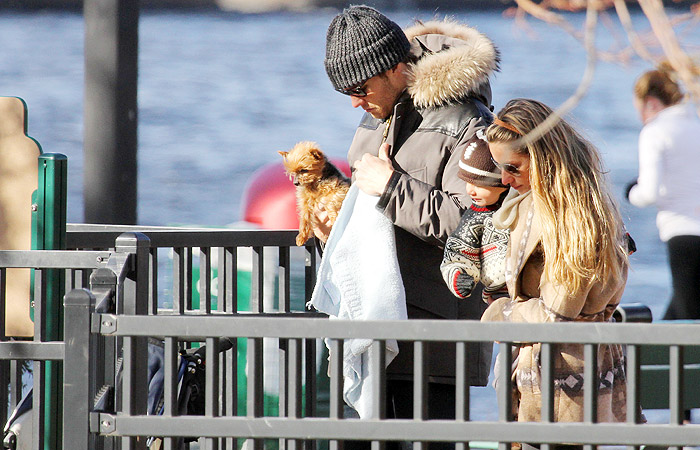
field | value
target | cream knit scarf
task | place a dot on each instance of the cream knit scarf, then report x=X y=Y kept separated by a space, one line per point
x=507 y=214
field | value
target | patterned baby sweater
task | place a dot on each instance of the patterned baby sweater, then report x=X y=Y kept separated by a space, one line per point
x=476 y=251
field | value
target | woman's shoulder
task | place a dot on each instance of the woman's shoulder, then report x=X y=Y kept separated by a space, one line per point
x=676 y=115
x=678 y=123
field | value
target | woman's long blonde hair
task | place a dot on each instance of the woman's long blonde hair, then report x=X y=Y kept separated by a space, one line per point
x=582 y=231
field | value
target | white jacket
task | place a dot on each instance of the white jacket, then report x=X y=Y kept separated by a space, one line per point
x=669 y=170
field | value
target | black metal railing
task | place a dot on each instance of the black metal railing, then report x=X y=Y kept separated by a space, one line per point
x=184 y=287
x=290 y=426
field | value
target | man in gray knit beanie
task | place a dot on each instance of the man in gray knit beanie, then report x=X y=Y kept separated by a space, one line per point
x=361 y=43
x=425 y=91
x=365 y=52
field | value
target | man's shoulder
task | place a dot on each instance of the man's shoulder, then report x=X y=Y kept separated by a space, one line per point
x=453 y=118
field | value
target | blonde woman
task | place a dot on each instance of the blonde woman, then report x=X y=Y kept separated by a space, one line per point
x=668 y=158
x=567 y=260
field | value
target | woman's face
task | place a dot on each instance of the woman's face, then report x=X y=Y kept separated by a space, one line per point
x=515 y=167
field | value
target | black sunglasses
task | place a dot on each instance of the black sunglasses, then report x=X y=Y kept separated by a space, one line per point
x=357 y=91
x=510 y=168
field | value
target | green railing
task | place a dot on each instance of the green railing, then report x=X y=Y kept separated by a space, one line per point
x=49 y=233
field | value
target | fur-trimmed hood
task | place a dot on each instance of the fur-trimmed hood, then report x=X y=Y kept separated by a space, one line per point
x=454 y=61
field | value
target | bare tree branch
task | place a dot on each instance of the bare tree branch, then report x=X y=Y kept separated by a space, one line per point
x=663 y=35
x=571 y=102
x=624 y=15
x=546 y=15
x=677 y=57
x=541 y=12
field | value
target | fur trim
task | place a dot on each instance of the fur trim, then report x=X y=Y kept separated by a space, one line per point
x=455 y=71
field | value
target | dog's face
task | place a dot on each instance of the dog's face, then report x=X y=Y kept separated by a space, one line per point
x=304 y=163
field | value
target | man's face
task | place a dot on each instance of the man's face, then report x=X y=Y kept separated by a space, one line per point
x=382 y=91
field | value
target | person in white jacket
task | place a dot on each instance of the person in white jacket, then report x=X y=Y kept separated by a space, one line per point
x=669 y=157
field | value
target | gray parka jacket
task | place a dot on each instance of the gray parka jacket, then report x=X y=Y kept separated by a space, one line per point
x=448 y=98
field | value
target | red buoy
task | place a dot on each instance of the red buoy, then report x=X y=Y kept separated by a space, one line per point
x=269 y=199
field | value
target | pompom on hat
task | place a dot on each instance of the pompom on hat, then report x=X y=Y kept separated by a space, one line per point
x=476 y=166
x=361 y=42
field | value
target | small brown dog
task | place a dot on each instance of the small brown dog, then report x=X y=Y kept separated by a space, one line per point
x=317 y=181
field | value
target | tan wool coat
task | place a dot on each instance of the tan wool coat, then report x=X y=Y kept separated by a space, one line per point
x=536 y=298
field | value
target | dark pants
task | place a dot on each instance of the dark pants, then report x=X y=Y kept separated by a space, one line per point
x=684 y=259
x=399 y=405
x=156 y=367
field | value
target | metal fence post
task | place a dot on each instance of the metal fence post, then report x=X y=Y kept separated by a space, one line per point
x=103 y=284
x=134 y=293
x=135 y=302
x=49 y=233
x=77 y=393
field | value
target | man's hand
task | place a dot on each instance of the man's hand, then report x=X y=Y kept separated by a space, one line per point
x=372 y=173
x=323 y=225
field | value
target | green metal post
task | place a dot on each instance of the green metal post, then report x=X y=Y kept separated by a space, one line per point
x=49 y=233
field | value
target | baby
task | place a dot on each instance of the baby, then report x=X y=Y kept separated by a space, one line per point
x=476 y=250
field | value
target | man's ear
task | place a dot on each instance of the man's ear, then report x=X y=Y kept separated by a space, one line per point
x=398 y=72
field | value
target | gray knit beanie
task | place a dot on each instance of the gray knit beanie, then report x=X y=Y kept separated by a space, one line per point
x=362 y=42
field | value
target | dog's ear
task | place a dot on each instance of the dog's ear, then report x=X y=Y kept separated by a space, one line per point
x=284 y=154
x=316 y=154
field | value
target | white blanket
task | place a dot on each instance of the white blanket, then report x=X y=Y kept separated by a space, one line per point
x=359 y=279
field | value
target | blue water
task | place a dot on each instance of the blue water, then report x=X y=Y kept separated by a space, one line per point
x=220 y=94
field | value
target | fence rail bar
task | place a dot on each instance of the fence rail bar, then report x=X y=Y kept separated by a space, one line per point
x=44 y=351
x=591 y=384
x=444 y=330
x=675 y=401
x=461 y=382
x=164 y=237
x=632 y=372
x=547 y=382
x=371 y=429
x=53 y=259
